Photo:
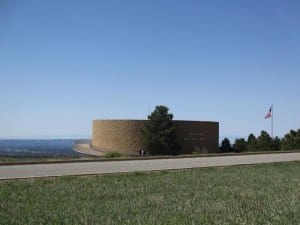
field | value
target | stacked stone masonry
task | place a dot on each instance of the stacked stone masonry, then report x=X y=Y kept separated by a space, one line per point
x=125 y=136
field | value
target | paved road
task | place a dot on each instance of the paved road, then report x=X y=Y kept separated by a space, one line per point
x=85 y=168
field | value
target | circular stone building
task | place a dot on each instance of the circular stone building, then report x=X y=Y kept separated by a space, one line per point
x=125 y=136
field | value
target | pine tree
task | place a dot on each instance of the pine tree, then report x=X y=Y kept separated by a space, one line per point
x=240 y=145
x=291 y=140
x=159 y=132
x=225 y=146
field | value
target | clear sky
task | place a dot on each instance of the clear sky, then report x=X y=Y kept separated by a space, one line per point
x=65 y=63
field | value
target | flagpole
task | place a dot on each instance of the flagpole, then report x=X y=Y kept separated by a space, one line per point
x=148 y=110
x=272 y=121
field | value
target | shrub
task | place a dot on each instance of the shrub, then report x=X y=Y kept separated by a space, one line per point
x=113 y=154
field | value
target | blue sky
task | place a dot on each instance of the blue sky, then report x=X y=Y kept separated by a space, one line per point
x=65 y=63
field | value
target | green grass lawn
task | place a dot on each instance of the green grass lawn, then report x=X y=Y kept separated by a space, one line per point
x=254 y=194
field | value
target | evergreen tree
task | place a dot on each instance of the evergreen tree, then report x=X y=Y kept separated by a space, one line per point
x=276 y=143
x=225 y=146
x=240 y=145
x=264 y=141
x=251 y=143
x=291 y=140
x=159 y=132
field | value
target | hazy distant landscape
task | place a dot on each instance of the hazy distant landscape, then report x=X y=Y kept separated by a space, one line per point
x=37 y=147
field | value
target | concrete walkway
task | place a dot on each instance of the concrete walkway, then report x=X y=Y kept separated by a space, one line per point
x=85 y=148
x=88 y=168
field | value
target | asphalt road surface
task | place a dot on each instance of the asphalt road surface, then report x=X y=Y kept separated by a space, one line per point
x=88 y=168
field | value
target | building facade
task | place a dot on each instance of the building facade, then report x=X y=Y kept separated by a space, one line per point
x=125 y=136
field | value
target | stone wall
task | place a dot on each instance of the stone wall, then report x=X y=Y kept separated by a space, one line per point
x=125 y=136
x=197 y=136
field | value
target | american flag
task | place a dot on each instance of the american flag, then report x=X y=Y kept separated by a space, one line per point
x=269 y=114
